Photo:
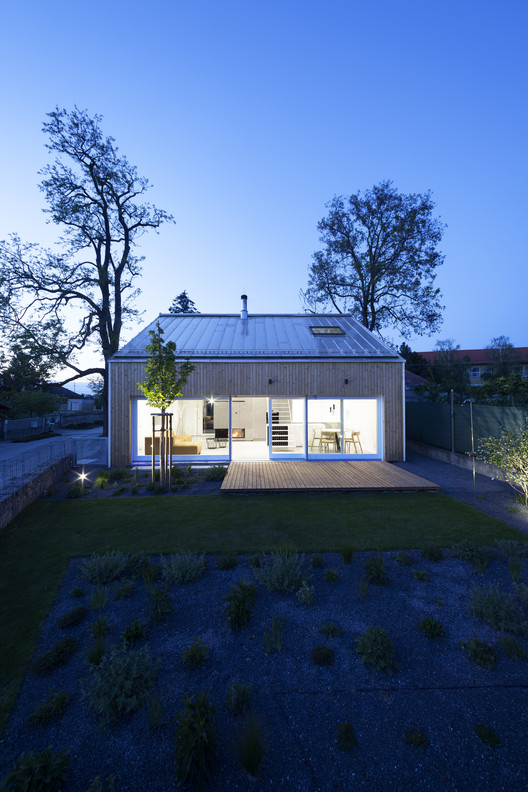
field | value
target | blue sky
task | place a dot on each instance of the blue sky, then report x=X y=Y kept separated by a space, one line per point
x=248 y=117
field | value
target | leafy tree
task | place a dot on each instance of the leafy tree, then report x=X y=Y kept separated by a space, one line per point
x=379 y=260
x=414 y=362
x=450 y=369
x=500 y=351
x=510 y=453
x=163 y=383
x=508 y=390
x=183 y=304
x=94 y=195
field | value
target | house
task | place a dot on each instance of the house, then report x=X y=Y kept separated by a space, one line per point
x=483 y=364
x=295 y=386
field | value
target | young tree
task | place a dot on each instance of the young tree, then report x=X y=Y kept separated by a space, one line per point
x=510 y=453
x=379 y=260
x=163 y=383
x=500 y=351
x=94 y=195
x=183 y=304
x=450 y=369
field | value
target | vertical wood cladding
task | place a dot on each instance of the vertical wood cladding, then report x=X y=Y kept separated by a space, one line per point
x=322 y=379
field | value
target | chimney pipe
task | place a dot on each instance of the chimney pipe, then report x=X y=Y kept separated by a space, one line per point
x=243 y=312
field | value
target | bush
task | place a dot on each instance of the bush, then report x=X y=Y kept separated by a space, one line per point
x=239 y=697
x=499 y=609
x=35 y=772
x=330 y=630
x=53 y=707
x=376 y=570
x=281 y=571
x=75 y=491
x=487 y=735
x=477 y=556
x=480 y=653
x=316 y=560
x=251 y=746
x=73 y=617
x=227 y=561
x=196 y=654
x=240 y=602
x=120 y=683
x=332 y=575
x=160 y=603
x=374 y=647
x=346 y=737
x=509 y=453
x=58 y=655
x=421 y=574
x=322 y=655
x=183 y=567
x=347 y=551
x=195 y=741
x=96 y=652
x=432 y=628
x=512 y=647
x=215 y=473
x=99 y=628
x=305 y=594
x=124 y=590
x=432 y=553
x=416 y=738
x=105 y=568
x=404 y=559
x=134 y=631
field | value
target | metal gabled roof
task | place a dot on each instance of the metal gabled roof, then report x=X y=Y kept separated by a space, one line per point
x=228 y=336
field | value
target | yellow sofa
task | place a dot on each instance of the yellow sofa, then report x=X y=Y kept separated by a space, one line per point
x=181 y=445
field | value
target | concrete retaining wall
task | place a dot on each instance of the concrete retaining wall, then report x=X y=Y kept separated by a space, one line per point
x=453 y=458
x=11 y=506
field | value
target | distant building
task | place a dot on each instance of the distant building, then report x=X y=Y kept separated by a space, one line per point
x=481 y=364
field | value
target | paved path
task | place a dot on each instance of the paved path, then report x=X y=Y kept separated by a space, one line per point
x=492 y=497
x=10 y=450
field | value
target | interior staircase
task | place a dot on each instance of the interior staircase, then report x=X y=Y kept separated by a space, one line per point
x=280 y=430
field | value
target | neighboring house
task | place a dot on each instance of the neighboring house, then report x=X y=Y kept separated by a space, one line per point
x=411 y=380
x=332 y=389
x=483 y=363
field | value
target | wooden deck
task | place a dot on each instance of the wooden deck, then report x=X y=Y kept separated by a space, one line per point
x=302 y=476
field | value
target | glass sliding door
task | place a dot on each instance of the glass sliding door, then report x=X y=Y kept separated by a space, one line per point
x=286 y=434
x=360 y=427
x=344 y=427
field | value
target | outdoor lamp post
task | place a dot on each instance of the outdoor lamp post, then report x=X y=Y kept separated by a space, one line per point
x=472 y=438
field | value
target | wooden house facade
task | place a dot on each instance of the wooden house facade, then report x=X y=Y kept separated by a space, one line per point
x=297 y=386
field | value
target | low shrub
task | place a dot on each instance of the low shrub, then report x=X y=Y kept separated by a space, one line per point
x=322 y=656
x=255 y=561
x=498 y=608
x=58 y=655
x=195 y=741
x=98 y=597
x=119 y=474
x=316 y=560
x=75 y=491
x=134 y=631
x=515 y=553
x=332 y=575
x=305 y=594
x=421 y=574
x=98 y=786
x=77 y=593
x=150 y=572
x=52 y=708
x=96 y=652
x=215 y=473
x=160 y=603
x=105 y=568
x=251 y=746
x=416 y=738
x=118 y=491
x=375 y=648
x=240 y=603
x=376 y=570
x=124 y=589
x=183 y=567
x=347 y=551
x=196 y=654
x=73 y=618
x=99 y=628
x=480 y=653
x=35 y=772
x=330 y=630
x=346 y=737
x=120 y=683
x=274 y=639
x=404 y=559
x=281 y=571
x=479 y=557
x=487 y=735
x=431 y=627
x=239 y=697
x=227 y=561
x=432 y=553
x=512 y=647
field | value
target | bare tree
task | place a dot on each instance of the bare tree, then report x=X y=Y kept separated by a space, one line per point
x=94 y=195
x=379 y=261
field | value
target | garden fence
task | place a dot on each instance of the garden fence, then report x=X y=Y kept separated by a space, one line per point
x=18 y=470
x=438 y=425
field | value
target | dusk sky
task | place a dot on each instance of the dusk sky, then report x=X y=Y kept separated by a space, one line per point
x=248 y=117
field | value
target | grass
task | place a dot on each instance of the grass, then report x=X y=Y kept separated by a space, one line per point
x=36 y=546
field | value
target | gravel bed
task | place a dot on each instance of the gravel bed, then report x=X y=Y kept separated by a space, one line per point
x=435 y=688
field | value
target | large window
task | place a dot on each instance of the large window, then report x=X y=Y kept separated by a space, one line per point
x=343 y=426
x=200 y=427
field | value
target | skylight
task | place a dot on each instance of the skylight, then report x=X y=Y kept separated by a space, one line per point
x=327 y=330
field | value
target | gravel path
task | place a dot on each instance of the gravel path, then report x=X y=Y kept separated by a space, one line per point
x=435 y=688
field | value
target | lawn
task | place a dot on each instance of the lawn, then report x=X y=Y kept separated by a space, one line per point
x=35 y=548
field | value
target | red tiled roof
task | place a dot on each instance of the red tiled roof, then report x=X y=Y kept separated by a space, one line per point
x=480 y=357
